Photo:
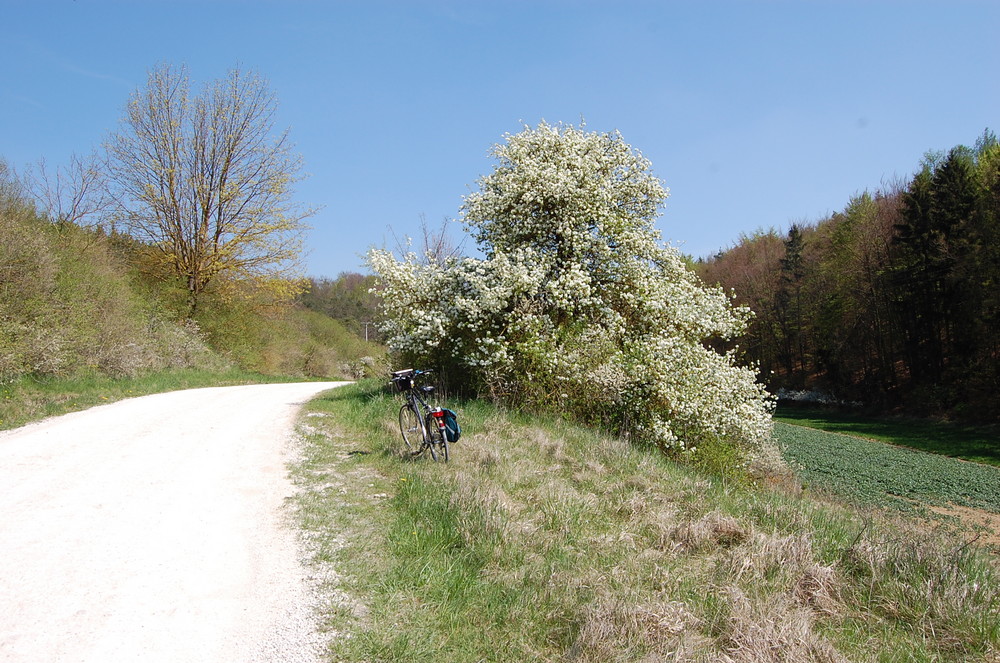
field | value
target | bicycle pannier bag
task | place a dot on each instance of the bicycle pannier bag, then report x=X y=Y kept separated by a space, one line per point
x=451 y=427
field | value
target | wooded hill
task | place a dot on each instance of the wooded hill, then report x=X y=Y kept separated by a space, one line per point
x=891 y=303
x=77 y=300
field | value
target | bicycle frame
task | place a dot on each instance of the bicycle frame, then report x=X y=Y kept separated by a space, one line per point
x=431 y=420
x=413 y=398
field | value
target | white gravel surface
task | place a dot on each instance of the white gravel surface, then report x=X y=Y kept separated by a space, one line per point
x=153 y=529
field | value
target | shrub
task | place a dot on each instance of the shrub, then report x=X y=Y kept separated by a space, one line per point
x=578 y=305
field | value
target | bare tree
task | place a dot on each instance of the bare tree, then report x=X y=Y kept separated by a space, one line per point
x=436 y=244
x=75 y=193
x=207 y=180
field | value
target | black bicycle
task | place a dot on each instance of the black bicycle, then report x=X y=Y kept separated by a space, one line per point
x=422 y=426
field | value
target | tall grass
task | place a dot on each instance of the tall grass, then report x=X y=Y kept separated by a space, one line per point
x=69 y=306
x=284 y=340
x=542 y=540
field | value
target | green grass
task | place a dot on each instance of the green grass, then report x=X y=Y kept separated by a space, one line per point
x=29 y=399
x=546 y=541
x=976 y=443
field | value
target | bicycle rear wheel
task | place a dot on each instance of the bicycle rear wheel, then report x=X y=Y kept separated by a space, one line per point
x=437 y=439
x=411 y=428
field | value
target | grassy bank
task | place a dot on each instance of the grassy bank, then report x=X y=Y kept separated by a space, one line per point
x=546 y=541
x=29 y=399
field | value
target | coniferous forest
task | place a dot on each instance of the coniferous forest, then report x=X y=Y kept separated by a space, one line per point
x=893 y=302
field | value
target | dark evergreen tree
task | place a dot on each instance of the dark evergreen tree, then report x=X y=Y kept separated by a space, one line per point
x=918 y=274
x=789 y=309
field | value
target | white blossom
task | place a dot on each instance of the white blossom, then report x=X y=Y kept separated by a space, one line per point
x=578 y=303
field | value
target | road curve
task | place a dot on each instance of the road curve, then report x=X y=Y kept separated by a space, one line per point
x=152 y=529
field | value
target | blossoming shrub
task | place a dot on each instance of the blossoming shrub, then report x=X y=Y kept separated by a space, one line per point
x=578 y=304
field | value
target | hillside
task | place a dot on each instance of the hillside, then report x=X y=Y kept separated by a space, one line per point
x=82 y=310
x=542 y=540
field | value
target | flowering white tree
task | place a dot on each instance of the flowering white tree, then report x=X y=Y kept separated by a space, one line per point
x=578 y=303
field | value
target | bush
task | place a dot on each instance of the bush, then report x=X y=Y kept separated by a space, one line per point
x=75 y=301
x=578 y=305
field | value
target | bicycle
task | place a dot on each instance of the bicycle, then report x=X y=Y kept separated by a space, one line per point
x=422 y=426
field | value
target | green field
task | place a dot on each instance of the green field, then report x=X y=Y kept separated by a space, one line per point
x=869 y=472
x=980 y=444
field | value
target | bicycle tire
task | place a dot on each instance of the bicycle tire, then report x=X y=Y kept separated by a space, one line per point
x=437 y=440
x=411 y=428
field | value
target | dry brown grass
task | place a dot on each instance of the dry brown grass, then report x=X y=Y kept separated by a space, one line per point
x=712 y=530
x=774 y=631
x=767 y=557
x=819 y=588
x=620 y=629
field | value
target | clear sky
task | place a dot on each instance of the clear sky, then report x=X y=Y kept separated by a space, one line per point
x=755 y=114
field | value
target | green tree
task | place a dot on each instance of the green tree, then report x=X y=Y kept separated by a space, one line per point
x=790 y=307
x=853 y=333
x=207 y=180
x=892 y=302
x=937 y=213
x=986 y=236
x=750 y=270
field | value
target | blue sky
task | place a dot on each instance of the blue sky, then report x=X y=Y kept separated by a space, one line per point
x=755 y=114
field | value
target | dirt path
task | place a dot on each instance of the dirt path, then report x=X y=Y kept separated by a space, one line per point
x=152 y=529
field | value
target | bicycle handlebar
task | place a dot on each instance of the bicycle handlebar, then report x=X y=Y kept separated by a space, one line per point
x=409 y=373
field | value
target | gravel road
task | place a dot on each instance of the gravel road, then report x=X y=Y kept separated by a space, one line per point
x=152 y=529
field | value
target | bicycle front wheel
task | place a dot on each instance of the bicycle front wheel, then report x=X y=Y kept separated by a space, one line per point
x=411 y=429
